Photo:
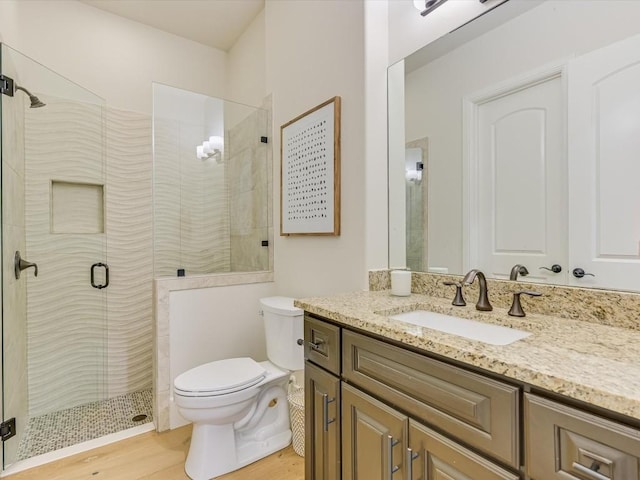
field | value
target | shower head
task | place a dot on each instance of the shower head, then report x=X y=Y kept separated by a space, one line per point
x=35 y=101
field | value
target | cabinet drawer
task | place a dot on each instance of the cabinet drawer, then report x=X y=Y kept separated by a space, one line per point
x=562 y=442
x=322 y=344
x=481 y=412
x=435 y=456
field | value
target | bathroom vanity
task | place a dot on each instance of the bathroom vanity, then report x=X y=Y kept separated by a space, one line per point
x=386 y=399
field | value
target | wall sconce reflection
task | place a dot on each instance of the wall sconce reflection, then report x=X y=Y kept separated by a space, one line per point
x=414 y=176
x=211 y=148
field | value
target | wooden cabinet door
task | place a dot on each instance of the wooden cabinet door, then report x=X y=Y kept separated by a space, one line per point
x=436 y=457
x=565 y=443
x=374 y=438
x=322 y=424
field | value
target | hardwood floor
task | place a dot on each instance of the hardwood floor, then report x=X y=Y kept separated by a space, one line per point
x=156 y=456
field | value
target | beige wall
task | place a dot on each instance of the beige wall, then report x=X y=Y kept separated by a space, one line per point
x=246 y=65
x=115 y=58
x=315 y=50
x=376 y=198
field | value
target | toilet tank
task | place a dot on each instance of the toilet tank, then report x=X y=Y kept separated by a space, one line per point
x=283 y=325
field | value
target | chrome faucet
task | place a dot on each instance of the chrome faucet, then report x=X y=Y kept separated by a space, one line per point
x=518 y=269
x=483 y=299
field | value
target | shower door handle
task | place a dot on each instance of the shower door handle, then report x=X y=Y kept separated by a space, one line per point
x=20 y=264
x=106 y=275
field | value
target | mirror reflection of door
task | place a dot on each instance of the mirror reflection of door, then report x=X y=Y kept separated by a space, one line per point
x=604 y=139
x=517 y=193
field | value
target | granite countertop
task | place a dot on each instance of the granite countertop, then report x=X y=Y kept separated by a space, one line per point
x=586 y=361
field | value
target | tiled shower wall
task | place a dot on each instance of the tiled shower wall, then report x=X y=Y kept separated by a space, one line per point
x=129 y=251
x=87 y=344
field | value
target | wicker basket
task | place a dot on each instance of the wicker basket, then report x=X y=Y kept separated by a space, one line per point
x=296 y=411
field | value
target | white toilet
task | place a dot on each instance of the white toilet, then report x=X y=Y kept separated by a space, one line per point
x=239 y=406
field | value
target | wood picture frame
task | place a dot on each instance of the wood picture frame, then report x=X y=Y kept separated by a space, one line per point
x=310 y=172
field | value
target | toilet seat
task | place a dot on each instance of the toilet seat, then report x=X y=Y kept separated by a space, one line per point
x=219 y=378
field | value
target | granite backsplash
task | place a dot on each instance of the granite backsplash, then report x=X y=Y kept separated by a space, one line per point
x=604 y=307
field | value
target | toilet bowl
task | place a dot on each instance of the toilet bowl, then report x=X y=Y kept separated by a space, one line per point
x=239 y=406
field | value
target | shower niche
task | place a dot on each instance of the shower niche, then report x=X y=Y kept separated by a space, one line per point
x=77 y=207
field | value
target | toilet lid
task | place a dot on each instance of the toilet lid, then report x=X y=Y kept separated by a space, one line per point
x=220 y=377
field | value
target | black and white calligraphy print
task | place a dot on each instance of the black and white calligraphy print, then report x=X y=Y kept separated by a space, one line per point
x=308 y=173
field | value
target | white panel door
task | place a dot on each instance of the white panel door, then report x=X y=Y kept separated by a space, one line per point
x=521 y=181
x=604 y=167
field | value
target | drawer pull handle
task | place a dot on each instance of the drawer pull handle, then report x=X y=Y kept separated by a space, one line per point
x=316 y=346
x=390 y=444
x=591 y=472
x=411 y=456
x=325 y=411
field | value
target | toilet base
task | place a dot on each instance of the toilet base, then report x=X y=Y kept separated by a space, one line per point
x=215 y=451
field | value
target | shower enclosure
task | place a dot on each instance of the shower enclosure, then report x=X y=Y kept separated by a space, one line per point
x=97 y=201
x=72 y=370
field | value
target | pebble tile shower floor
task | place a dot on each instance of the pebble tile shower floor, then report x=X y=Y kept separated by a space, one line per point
x=57 y=430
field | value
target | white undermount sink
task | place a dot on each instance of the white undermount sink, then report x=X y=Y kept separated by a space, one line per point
x=471 y=329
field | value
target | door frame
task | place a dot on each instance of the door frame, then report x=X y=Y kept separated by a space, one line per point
x=471 y=141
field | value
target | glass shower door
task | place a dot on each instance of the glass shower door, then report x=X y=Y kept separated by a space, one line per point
x=54 y=330
x=211 y=209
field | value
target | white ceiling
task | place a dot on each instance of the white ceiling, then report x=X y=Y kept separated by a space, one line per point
x=216 y=23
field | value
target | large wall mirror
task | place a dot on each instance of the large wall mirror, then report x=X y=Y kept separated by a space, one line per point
x=516 y=140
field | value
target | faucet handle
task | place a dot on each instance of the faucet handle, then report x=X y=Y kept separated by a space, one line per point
x=458 y=301
x=516 y=307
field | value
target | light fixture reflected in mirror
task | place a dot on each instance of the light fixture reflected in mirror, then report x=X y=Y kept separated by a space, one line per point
x=211 y=148
x=427 y=6
x=414 y=174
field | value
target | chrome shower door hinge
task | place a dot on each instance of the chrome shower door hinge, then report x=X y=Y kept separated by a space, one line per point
x=7 y=429
x=6 y=85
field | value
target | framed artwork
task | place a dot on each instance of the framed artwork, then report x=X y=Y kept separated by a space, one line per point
x=310 y=172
